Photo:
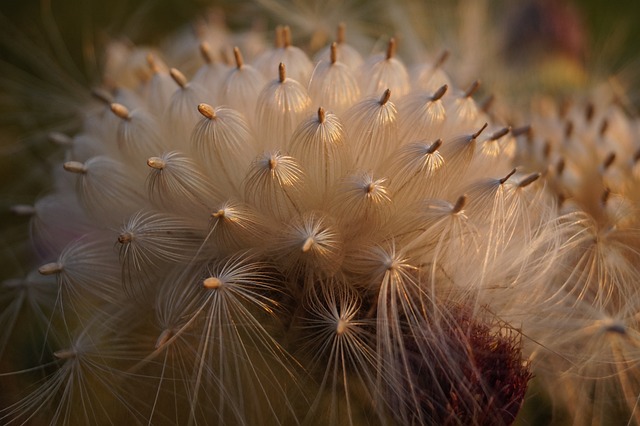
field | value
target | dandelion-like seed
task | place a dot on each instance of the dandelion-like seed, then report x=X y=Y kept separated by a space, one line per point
x=343 y=240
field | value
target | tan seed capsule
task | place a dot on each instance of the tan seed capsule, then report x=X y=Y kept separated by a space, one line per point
x=75 y=167
x=308 y=243
x=207 y=111
x=238 y=56
x=178 y=77
x=156 y=163
x=50 y=268
x=120 y=111
x=212 y=283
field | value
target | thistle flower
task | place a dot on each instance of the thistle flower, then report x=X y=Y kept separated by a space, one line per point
x=348 y=240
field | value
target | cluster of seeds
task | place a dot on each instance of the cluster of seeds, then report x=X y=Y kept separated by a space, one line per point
x=346 y=240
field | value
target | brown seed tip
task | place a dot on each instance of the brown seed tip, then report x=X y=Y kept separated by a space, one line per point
x=439 y=93
x=604 y=126
x=589 y=111
x=472 y=89
x=120 y=111
x=178 y=77
x=568 y=129
x=385 y=97
x=334 y=52
x=605 y=196
x=125 y=238
x=391 y=48
x=608 y=160
x=504 y=179
x=560 y=167
x=322 y=115
x=434 y=146
x=286 y=36
x=282 y=72
x=518 y=131
x=273 y=162
x=75 y=167
x=341 y=327
x=220 y=213
x=212 y=283
x=207 y=111
x=460 y=202
x=500 y=133
x=370 y=188
x=156 y=163
x=529 y=180
x=442 y=58
x=476 y=134
x=205 y=52
x=341 y=33
x=238 y=56
x=616 y=327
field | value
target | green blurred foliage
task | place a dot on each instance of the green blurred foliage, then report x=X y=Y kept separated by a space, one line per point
x=613 y=24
